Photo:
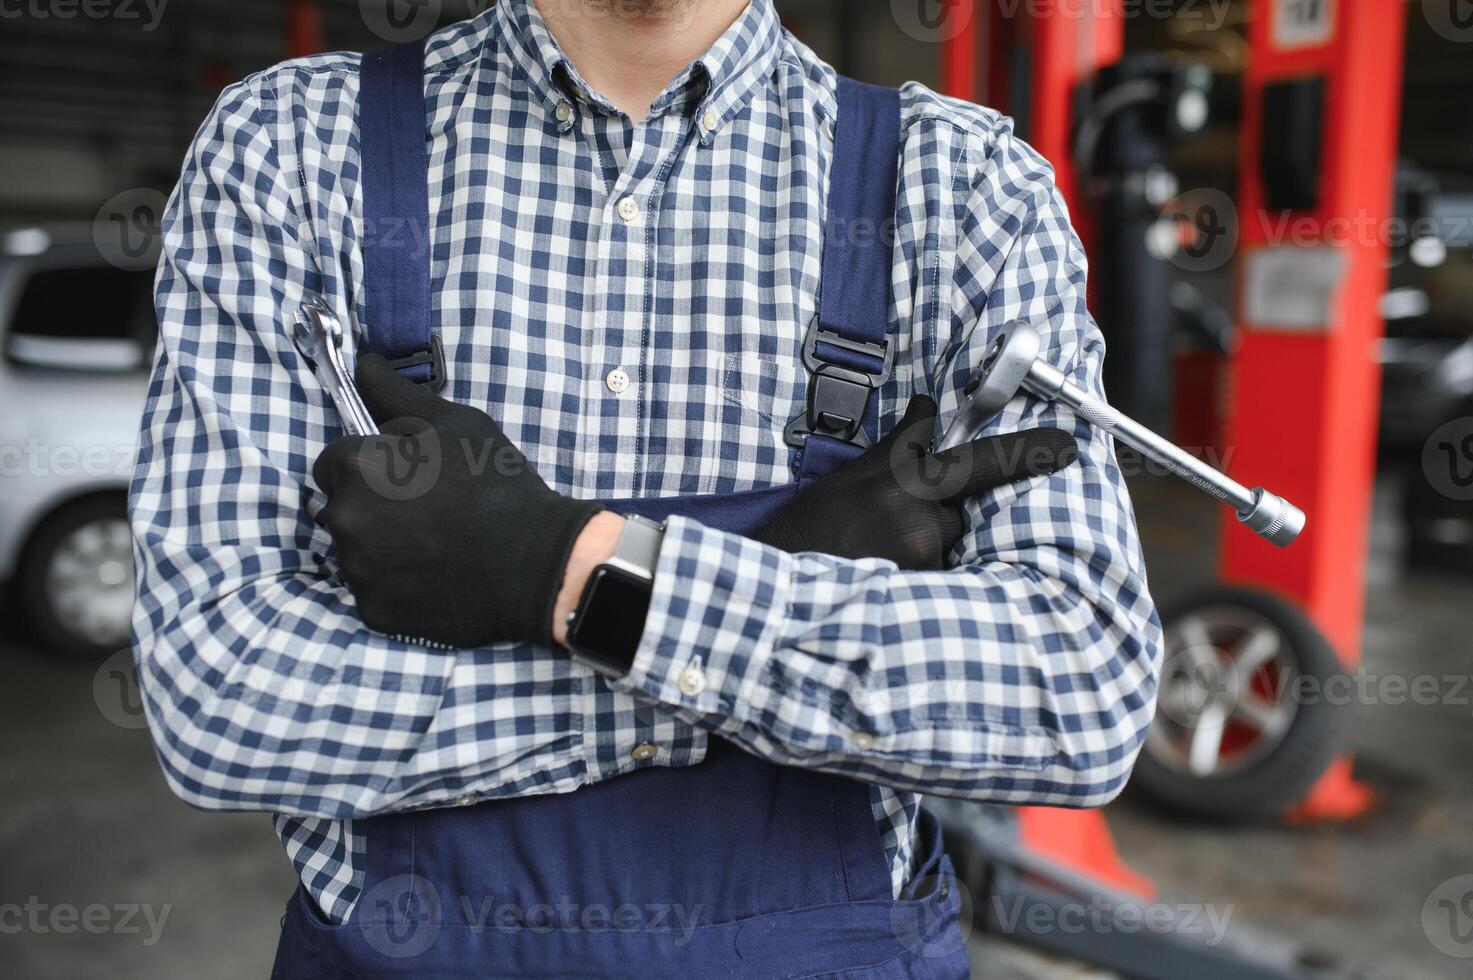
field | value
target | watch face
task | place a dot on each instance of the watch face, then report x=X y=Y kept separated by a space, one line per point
x=610 y=621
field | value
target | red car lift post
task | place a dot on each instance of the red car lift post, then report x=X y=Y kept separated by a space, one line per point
x=1031 y=65
x=1304 y=385
x=303 y=28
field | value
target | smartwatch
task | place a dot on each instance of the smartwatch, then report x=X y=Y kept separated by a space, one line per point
x=604 y=631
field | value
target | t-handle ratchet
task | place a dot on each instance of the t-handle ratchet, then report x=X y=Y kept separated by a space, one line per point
x=318 y=334
x=1013 y=364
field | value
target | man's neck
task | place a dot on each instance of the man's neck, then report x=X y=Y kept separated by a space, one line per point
x=630 y=50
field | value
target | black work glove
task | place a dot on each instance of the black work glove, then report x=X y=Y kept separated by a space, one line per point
x=443 y=530
x=901 y=502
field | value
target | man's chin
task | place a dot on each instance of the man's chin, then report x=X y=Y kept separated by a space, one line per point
x=637 y=9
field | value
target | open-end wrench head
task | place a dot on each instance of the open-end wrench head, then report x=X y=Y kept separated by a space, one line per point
x=996 y=382
x=305 y=336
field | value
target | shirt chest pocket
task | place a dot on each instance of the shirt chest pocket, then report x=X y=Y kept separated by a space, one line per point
x=766 y=386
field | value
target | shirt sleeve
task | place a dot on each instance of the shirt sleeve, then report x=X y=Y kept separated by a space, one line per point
x=262 y=687
x=1026 y=673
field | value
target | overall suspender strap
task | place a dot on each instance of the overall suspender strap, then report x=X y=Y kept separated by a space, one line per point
x=847 y=350
x=859 y=242
x=399 y=322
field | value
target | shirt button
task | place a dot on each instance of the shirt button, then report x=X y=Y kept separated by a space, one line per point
x=644 y=752
x=617 y=381
x=692 y=681
x=710 y=120
x=863 y=741
x=629 y=209
x=564 y=112
x=465 y=800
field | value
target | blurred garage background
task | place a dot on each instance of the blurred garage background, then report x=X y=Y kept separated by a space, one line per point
x=1277 y=196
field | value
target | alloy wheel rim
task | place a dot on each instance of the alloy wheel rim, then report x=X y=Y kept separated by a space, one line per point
x=1226 y=699
x=89 y=582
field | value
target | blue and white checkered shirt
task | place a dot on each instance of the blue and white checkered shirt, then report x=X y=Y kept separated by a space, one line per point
x=1024 y=674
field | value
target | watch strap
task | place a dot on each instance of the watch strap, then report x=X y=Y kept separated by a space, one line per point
x=638 y=548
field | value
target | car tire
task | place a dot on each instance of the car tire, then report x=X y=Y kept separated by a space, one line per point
x=1261 y=768
x=76 y=578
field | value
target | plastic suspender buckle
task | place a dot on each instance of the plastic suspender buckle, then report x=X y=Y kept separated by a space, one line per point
x=434 y=357
x=838 y=397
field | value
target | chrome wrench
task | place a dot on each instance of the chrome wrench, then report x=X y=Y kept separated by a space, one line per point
x=318 y=334
x=1013 y=364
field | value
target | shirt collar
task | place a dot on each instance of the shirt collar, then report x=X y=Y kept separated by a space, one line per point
x=730 y=69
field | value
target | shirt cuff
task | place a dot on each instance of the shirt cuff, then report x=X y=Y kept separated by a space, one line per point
x=716 y=610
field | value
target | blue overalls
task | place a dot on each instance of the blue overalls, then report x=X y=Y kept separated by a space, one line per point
x=731 y=868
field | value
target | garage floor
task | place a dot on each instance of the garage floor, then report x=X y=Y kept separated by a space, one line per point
x=106 y=875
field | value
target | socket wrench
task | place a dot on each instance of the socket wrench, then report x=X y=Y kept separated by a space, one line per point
x=1014 y=364
x=318 y=334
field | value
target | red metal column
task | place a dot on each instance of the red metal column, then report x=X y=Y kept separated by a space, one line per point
x=959 y=62
x=1068 y=49
x=1304 y=397
x=303 y=28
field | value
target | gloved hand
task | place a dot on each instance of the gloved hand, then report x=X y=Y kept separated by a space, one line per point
x=900 y=502
x=443 y=530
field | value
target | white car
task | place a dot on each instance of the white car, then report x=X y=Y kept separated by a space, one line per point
x=76 y=336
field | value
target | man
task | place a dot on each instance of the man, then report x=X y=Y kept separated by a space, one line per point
x=565 y=675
